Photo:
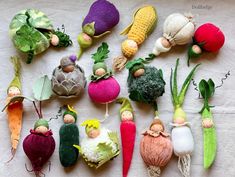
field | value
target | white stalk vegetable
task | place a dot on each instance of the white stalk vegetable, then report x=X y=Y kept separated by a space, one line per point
x=182 y=137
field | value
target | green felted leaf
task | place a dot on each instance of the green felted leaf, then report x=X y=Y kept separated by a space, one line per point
x=210 y=146
x=106 y=153
x=203 y=87
x=42 y=88
x=132 y=63
x=211 y=85
x=18 y=98
x=175 y=85
x=114 y=137
x=186 y=85
x=101 y=54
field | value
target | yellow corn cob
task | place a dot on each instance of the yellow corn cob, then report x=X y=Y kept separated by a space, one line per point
x=143 y=23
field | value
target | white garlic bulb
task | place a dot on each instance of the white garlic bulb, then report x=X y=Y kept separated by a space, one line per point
x=178 y=29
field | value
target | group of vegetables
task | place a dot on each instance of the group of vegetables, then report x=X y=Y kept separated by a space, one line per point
x=32 y=33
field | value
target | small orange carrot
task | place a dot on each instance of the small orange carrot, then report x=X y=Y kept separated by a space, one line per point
x=15 y=109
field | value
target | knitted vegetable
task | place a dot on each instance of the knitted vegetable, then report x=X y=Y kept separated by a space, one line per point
x=32 y=32
x=103 y=88
x=68 y=79
x=178 y=29
x=101 y=18
x=69 y=135
x=14 y=109
x=156 y=147
x=207 y=89
x=128 y=133
x=182 y=137
x=144 y=22
x=145 y=83
x=207 y=37
x=100 y=145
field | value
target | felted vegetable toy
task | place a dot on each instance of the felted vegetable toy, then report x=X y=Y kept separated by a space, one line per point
x=39 y=145
x=68 y=79
x=101 y=18
x=103 y=87
x=207 y=89
x=144 y=22
x=128 y=133
x=69 y=135
x=99 y=146
x=15 y=108
x=156 y=147
x=182 y=137
x=178 y=29
x=207 y=37
x=146 y=84
x=32 y=33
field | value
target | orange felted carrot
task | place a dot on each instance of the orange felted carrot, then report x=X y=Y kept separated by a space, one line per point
x=15 y=109
x=128 y=133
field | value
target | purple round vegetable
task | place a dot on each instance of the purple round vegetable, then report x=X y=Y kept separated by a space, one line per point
x=39 y=145
x=101 y=18
x=104 y=14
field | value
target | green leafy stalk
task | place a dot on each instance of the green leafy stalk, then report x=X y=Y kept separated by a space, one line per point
x=101 y=54
x=178 y=98
x=207 y=89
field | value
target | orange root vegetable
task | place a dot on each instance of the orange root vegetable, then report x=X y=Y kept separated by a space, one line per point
x=15 y=109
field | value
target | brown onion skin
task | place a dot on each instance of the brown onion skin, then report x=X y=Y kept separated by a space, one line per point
x=156 y=151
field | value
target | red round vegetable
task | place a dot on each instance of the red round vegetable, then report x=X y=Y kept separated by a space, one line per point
x=39 y=147
x=207 y=37
x=104 y=90
x=210 y=37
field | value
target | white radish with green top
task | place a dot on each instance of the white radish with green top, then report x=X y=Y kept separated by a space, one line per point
x=182 y=137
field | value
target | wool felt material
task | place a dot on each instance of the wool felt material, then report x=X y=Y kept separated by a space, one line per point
x=101 y=18
x=31 y=32
x=156 y=149
x=39 y=147
x=147 y=87
x=68 y=84
x=178 y=29
x=69 y=135
x=100 y=149
x=15 y=110
x=207 y=89
x=41 y=122
x=128 y=134
x=103 y=87
x=207 y=37
x=182 y=137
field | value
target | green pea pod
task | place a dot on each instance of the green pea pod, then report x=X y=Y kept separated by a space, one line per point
x=210 y=142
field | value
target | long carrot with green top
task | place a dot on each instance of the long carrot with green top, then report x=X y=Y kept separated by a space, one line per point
x=182 y=137
x=15 y=109
x=207 y=89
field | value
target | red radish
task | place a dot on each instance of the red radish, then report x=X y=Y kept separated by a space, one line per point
x=207 y=37
x=39 y=145
x=128 y=133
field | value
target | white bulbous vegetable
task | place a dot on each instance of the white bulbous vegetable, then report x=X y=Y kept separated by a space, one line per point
x=182 y=140
x=178 y=29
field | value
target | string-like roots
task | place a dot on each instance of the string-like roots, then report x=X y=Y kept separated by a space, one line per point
x=154 y=171
x=184 y=165
x=37 y=173
x=119 y=63
x=13 y=152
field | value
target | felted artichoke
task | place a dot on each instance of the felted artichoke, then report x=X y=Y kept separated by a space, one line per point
x=67 y=82
x=32 y=32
